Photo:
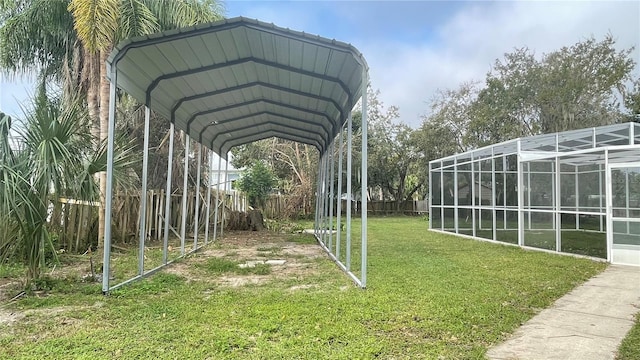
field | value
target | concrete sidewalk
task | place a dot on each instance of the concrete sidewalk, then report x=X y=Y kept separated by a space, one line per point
x=587 y=323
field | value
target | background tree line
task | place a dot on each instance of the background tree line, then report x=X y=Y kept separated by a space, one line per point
x=586 y=84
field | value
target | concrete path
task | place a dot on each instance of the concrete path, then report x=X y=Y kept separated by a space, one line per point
x=587 y=323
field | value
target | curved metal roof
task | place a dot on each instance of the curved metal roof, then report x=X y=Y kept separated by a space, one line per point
x=235 y=81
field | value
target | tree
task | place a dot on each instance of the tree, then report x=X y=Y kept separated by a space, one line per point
x=56 y=159
x=293 y=164
x=100 y=24
x=257 y=182
x=574 y=87
x=392 y=155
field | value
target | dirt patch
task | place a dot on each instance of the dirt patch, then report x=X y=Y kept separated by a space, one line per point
x=248 y=247
x=9 y=317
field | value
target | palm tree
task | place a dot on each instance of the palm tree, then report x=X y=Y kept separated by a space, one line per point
x=56 y=158
x=100 y=24
x=69 y=41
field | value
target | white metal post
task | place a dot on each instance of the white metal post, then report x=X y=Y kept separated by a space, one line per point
x=208 y=213
x=339 y=199
x=349 y=192
x=472 y=189
x=183 y=229
x=494 y=204
x=600 y=196
x=167 y=196
x=609 y=205
x=520 y=196
x=430 y=209
x=455 y=196
x=363 y=191
x=529 y=194
x=109 y=188
x=226 y=183
x=556 y=205
x=331 y=189
x=325 y=200
x=196 y=221
x=316 y=222
x=577 y=189
x=143 y=191
x=215 y=211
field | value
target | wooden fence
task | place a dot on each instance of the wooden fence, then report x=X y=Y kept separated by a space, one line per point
x=76 y=222
x=280 y=206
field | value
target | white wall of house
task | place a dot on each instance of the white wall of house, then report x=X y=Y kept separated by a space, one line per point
x=226 y=178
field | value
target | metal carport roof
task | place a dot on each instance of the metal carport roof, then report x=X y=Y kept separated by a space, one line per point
x=239 y=80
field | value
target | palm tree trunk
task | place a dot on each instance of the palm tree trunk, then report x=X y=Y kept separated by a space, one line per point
x=93 y=66
x=104 y=132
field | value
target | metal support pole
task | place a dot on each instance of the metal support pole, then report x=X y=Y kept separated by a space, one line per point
x=109 y=188
x=208 y=214
x=325 y=203
x=215 y=211
x=183 y=229
x=520 y=197
x=167 y=195
x=504 y=191
x=363 y=191
x=556 y=205
x=339 y=209
x=143 y=192
x=456 y=221
x=529 y=194
x=494 y=234
x=349 y=192
x=601 y=210
x=577 y=189
x=316 y=223
x=430 y=208
x=226 y=182
x=331 y=190
x=196 y=220
x=475 y=209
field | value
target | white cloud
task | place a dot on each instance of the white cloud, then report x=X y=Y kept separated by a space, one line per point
x=14 y=93
x=410 y=74
x=460 y=40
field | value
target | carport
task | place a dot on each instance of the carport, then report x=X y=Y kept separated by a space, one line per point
x=236 y=81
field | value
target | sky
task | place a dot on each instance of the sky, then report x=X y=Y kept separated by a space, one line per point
x=415 y=48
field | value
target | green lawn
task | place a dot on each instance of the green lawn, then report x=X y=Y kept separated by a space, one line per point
x=429 y=296
x=630 y=347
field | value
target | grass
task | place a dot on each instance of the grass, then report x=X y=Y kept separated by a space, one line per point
x=429 y=296
x=630 y=347
x=222 y=265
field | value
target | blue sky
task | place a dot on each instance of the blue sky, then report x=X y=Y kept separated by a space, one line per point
x=414 y=48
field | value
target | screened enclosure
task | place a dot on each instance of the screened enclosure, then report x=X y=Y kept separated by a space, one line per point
x=574 y=192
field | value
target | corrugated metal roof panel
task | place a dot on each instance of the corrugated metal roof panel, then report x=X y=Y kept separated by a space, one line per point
x=265 y=79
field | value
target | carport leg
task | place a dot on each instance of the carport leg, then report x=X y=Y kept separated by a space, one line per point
x=339 y=209
x=349 y=195
x=196 y=221
x=215 y=211
x=331 y=189
x=167 y=205
x=208 y=214
x=106 y=267
x=143 y=191
x=183 y=229
x=363 y=191
x=226 y=176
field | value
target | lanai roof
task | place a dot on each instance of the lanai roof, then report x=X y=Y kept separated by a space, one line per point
x=238 y=80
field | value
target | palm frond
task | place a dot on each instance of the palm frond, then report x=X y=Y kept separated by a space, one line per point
x=96 y=22
x=173 y=14
x=136 y=20
x=36 y=36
